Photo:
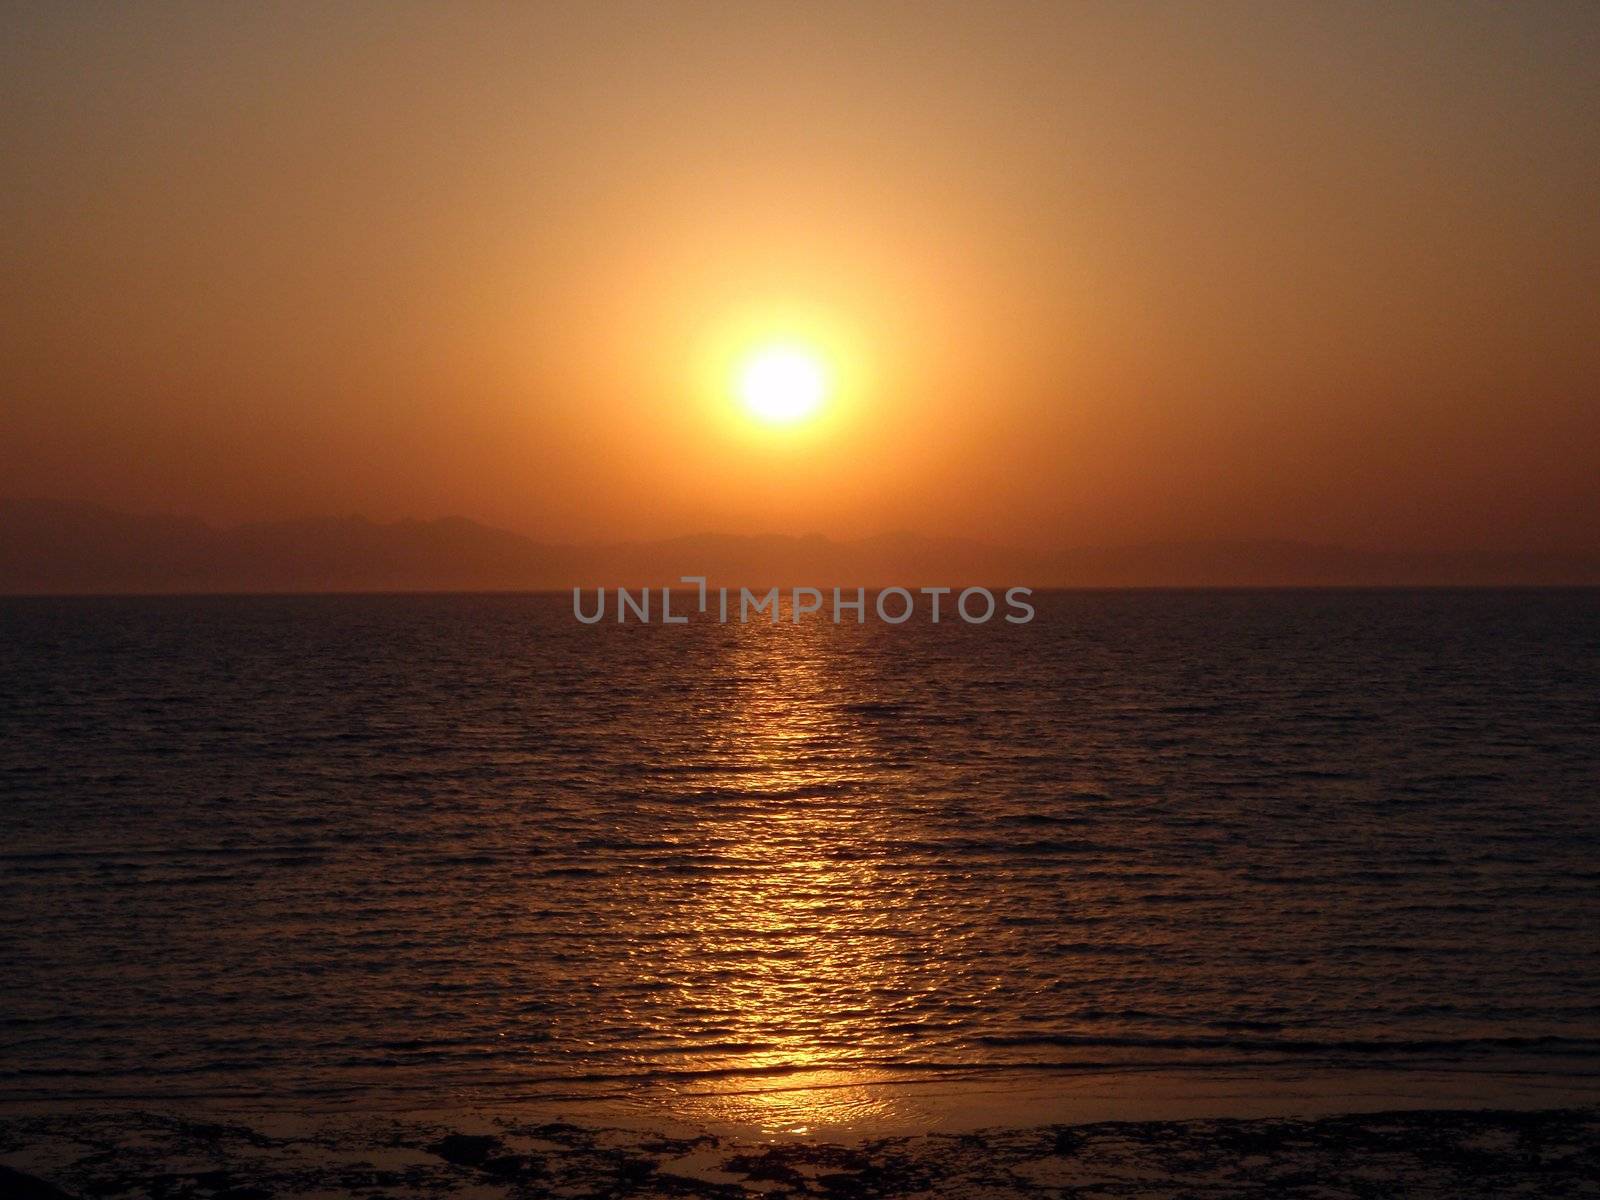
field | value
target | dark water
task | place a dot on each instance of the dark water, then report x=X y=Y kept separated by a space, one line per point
x=465 y=846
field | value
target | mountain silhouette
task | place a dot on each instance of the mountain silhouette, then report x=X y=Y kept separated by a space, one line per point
x=56 y=547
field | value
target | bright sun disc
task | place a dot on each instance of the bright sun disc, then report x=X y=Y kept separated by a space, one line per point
x=782 y=385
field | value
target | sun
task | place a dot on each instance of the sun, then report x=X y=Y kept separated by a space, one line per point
x=782 y=384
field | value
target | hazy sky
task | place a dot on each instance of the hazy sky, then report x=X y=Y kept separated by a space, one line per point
x=1078 y=273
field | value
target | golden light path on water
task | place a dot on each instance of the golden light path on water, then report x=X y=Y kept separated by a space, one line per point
x=801 y=948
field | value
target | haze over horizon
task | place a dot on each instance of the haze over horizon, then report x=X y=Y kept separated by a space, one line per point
x=1044 y=276
x=49 y=547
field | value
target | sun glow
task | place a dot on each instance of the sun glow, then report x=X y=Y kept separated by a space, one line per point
x=781 y=385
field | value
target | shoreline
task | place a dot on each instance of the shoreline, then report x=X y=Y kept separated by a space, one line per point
x=856 y=1105
x=1414 y=1153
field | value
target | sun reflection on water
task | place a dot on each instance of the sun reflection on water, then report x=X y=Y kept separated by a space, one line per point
x=800 y=951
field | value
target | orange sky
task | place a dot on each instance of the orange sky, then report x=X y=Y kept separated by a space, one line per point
x=1082 y=273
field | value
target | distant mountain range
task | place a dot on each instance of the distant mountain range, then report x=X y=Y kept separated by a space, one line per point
x=54 y=547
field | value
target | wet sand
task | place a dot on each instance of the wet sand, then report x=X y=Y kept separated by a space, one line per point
x=1414 y=1154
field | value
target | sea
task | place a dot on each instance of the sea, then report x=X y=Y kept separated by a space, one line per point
x=423 y=849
